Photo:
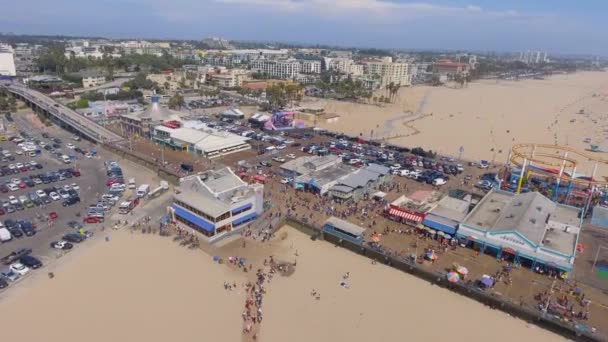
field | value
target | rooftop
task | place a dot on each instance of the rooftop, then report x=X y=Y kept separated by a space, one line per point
x=212 y=206
x=345 y=226
x=307 y=165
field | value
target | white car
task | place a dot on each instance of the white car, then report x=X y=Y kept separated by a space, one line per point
x=19 y=268
x=88 y=155
x=70 y=146
x=19 y=165
x=282 y=146
x=13 y=200
x=279 y=159
x=75 y=186
x=119 y=186
x=286 y=180
x=404 y=173
x=54 y=196
x=439 y=181
x=40 y=193
x=11 y=166
x=12 y=187
x=18 y=152
x=291 y=156
x=61 y=244
x=64 y=194
x=67 y=187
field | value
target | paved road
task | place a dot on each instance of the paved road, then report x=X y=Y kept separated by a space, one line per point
x=86 y=127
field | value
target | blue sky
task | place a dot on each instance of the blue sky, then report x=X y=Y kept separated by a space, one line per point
x=558 y=26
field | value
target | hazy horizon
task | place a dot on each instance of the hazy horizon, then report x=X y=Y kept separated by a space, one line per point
x=558 y=27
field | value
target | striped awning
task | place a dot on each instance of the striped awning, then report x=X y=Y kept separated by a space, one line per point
x=405 y=215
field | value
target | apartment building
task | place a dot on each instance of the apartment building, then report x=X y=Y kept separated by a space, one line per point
x=310 y=67
x=283 y=69
x=389 y=72
x=231 y=79
x=344 y=65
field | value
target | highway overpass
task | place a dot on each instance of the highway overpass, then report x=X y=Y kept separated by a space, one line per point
x=64 y=115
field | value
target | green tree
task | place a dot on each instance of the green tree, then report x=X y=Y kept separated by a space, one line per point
x=176 y=101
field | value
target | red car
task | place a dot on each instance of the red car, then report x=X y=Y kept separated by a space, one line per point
x=22 y=185
x=2 y=212
x=111 y=181
x=4 y=188
x=23 y=169
x=53 y=215
x=75 y=173
x=92 y=219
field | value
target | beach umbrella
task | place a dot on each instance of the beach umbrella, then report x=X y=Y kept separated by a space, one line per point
x=432 y=232
x=487 y=281
x=440 y=233
x=453 y=277
x=216 y=258
x=431 y=256
x=462 y=270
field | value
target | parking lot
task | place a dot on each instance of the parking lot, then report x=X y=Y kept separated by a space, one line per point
x=41 y=192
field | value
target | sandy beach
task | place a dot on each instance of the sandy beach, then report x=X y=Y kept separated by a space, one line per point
x=486 y=117
x=146 y=287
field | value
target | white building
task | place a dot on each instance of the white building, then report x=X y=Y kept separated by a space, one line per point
x=344 y=65
x=397 y=73
x=283 y=69
x=197 y=138
x=310 y=67
x=216 y=202
x=7 y=61
x=93 y=81
x=230 y=79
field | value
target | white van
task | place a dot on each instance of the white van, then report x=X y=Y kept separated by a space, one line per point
x=5 y=235
x=143 y=190
x=132 y=183
x=66 y=159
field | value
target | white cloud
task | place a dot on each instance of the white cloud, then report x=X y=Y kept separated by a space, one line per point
x=350 y=7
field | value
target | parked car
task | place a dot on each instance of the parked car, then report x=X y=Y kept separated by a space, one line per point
x=19 y=268
x=73 y=238
x=31 y=262
x=61 y=245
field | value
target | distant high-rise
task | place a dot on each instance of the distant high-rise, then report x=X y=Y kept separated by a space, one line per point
x=7 y=61
x=217 y=43
x=533 y=57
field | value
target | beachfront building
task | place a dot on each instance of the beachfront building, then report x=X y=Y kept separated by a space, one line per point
x=344 y=66
x=216 y=202
x=344 y=230
x=287 y=69
x=445 y=216
x=316 y=174
x=389 y=72
x=412 y=209
x=197 y=138
x=526 y=228
x=360 y=183
x=142 y=123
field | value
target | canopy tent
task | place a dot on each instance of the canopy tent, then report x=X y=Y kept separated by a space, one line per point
x=486 y=281
x=379 y=195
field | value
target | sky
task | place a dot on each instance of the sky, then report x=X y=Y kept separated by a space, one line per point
x=556 y=26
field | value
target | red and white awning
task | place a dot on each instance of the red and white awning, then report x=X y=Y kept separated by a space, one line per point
x=405 y=215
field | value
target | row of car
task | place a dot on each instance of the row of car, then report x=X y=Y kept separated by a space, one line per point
x=37 y=179
x=19 y=263
x=13 y=169
x=67 y=193
x=96 y=212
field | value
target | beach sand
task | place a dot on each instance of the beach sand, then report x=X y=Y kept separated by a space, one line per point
x=381 y=303
x=486 y=117
x=133 y=288
x=147 y=288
